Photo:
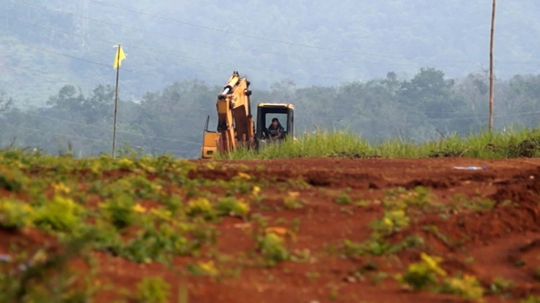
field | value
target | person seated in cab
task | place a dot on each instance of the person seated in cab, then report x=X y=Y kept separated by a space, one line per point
x=275 y=130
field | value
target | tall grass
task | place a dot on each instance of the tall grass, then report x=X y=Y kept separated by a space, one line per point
x=504 y=144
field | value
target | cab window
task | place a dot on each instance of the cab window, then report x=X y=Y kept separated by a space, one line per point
x=281 y=117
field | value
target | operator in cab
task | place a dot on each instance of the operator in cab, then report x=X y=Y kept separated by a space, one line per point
x=275 y=130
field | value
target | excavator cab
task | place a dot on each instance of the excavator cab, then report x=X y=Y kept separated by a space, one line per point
x=284 y=112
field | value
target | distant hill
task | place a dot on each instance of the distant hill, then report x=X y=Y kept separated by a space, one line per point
x=46 y=45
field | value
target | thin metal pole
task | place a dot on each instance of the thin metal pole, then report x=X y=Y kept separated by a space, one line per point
x=491 y=91
x=116 y=99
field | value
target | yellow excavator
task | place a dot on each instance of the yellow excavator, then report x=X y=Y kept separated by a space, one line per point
x=236 y=127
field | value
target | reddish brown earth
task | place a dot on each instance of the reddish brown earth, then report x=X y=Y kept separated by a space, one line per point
x=500 y=242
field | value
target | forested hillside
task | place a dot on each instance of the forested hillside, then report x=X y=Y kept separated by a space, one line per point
x=48 y=44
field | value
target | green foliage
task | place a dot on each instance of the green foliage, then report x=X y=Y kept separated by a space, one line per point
x=531 y=299
x=292 y=201
x=500 y=284
x=398 y=205
x=15 y=214
x=42 y=277
x=459 y=201
x=467 y=287
x=203 y=269
x=153 y=290
x=425 y=116
x=120 y=211
x=424 y=274
x=272 y=248
x=11 y=180
x=428 y=275
x=343 y=199
x=61 y=214
x=200 y=207
x=499 y=145
x=233 y=206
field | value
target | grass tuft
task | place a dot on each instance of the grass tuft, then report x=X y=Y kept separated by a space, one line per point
x=342 y=144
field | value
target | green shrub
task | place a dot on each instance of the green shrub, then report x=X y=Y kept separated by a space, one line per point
x=15 y=214
x=272 y=247
x=61 y=214
x=200 y=207
x=424 y=274
x=467 y=287
x=231 y=205
x=120 y=211
x=12 y=179
x=153 y=290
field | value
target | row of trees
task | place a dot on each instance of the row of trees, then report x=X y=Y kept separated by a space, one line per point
x=171 y=120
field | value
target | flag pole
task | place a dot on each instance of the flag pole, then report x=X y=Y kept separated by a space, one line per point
x=491 y=68
x=116 y=97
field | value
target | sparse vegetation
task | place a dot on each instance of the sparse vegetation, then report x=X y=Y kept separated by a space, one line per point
x=153 y=290
x=175 y=220
x=343 y=144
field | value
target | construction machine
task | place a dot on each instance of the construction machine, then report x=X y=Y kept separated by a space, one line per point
x=236 y=126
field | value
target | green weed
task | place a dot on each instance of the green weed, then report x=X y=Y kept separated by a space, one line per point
x=424 y=274
x=292 y=201
x=15 y=214
x=153 y=290
x=343 y=199
x=232 y=206
x=497 y=145
x=273 y=248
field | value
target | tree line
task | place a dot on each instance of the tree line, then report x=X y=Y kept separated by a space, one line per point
x=424 y=107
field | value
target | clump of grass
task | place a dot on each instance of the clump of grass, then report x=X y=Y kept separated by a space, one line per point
x=343 y=199
x=273 y=248
x=398 y=206
x=505 y=144
x=501 y=285
x=467 y=287
x=15 y=214
x=61 y=214
x=531 y=299
x=321 y=144
x=428 y=275
x=201 y=207
x=153 y=290
x=292 y=201
x=120 y=211
x=232 y=206
x=203 y=268
x=424 y=274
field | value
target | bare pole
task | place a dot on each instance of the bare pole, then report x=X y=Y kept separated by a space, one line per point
x=491 y=68
x=116 y=98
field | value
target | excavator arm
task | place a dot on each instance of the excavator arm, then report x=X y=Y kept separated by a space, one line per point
x=235 y=121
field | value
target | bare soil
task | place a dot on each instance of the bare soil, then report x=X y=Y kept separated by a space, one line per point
x=500 y=242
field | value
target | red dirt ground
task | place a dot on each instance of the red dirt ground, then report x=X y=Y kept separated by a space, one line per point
x=502 y=242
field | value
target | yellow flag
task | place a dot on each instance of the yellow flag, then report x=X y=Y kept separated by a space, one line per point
x=119 y=57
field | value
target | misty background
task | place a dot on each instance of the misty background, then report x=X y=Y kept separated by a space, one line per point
x=383 y=69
